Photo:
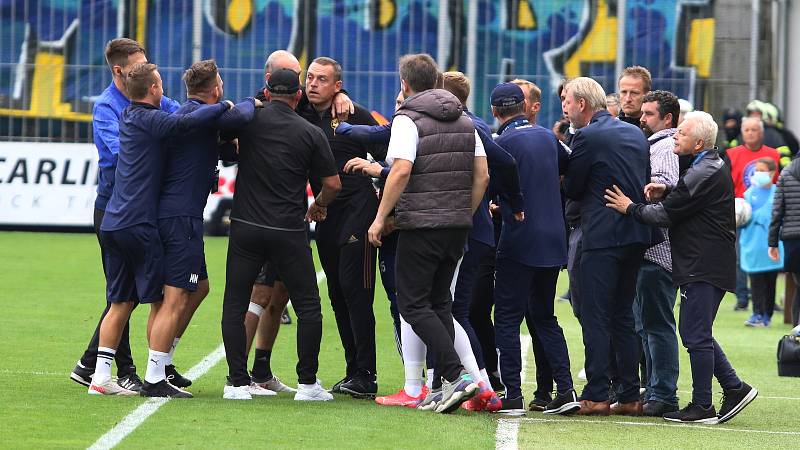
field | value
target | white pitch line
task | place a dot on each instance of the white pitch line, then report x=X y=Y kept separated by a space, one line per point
x=666 y=425
x=132 y=421
x=507 y=434
x=508 y=429
x=42 y=373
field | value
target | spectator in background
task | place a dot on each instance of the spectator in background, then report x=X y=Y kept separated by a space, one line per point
x=742 y=161
x=771 y=118
x=743 y=157
x=788 y=136
x=772 y=137
x=731 y=125
x=785 y=227
x=612 y=104
x=762 y=269
x=634 y=82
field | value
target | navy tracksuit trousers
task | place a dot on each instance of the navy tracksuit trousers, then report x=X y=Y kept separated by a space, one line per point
x=519 y=291
x=699 y=305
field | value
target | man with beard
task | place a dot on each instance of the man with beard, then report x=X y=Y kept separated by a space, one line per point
x=655 y=294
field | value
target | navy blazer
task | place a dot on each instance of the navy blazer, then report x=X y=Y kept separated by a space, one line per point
x=609 y=152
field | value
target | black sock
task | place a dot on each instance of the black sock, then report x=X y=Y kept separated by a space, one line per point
x=261 y=369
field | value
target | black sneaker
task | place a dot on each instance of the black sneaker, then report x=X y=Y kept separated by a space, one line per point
x=734 y=401
x=497 y=385
x=740 y=306
x=539 y=403
x=655 y=408
x=286 y=319
x=337 y=387
x=163 y=389
x=82 y=375
x=176 y=379
x=693 y=414
x=512 y=406
x=362 y=385
x=566 y=403
x=131 y=381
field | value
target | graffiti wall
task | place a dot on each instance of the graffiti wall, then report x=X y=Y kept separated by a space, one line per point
x=52 y=66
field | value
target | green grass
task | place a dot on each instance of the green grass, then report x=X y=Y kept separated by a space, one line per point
x=52 y=294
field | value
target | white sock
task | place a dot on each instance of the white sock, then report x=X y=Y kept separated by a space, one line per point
x=256 y=309
x=102 y=368
x=414 y=351
x=172 y=350
x=155 y=366
x=484 y=376
x=413 y=385
x=464 y=350
x=429 y=378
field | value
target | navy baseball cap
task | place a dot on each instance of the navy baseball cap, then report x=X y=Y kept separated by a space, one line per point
x=507 y=94
x=283 y=82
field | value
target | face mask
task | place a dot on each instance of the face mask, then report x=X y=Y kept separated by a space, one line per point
x=762 y=179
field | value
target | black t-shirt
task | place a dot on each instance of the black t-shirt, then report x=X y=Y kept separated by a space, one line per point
x=278 y=152
x=344 y=149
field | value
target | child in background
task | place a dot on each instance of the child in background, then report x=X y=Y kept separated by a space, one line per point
x=754 y=258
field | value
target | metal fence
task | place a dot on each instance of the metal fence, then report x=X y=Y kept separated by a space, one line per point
x=52 y=65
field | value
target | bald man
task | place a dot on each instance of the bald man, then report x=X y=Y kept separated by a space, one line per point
x=269 y=296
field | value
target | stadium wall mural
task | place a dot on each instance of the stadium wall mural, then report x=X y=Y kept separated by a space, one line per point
x=51 y=52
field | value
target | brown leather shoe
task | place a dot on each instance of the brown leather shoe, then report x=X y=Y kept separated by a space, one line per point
x=627 y=409
x=590 y=408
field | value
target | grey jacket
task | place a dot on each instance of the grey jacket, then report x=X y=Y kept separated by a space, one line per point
x=439 y=192
x=785 y=223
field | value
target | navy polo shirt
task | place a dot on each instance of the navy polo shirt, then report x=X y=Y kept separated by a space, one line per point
x=140 y=164
x=191 y=159
x=539 y=240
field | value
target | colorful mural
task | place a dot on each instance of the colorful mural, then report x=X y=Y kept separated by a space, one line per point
x=51 y=52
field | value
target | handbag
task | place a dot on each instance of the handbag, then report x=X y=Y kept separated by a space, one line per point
x=789 y=356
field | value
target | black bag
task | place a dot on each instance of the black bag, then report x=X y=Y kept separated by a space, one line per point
x=789 y=356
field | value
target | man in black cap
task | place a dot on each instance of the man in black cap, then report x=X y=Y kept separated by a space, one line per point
x=278 y=152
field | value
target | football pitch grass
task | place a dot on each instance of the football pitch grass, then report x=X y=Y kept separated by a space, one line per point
x=52 y=294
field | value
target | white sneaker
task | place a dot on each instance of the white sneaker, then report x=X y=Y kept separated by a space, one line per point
x=312 y=393
x=275 y=384
x=582 y=375
x=259 y=391
x=109 y=387
x=237 y=393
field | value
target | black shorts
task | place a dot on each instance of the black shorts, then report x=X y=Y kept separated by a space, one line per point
x=268 y=275
x=184 y=255
x=134 y=264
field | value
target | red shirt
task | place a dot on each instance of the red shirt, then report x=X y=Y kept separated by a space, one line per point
x=743 y=164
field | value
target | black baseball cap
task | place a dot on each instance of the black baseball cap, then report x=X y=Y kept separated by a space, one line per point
x=283 y=82
x=507 y=94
